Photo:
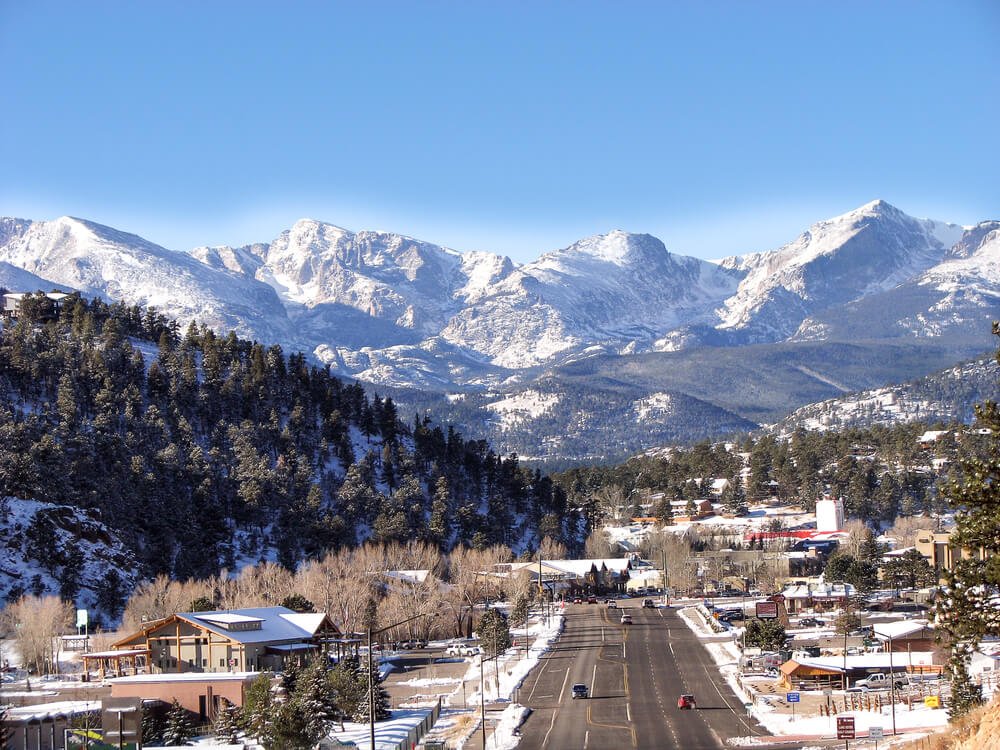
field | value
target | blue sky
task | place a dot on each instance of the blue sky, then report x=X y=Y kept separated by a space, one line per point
x=721 y=128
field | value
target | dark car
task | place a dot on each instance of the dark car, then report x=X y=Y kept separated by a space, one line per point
x=648 y=604
x=580 y=691
x=686 y=701
x=591 y=600
x=811 y=622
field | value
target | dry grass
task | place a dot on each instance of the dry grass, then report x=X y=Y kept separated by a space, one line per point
x=977 y=730
x=462 y=727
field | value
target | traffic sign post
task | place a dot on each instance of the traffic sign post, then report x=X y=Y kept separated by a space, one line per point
x=792 y=698
x=875 y=733
x=845 y=729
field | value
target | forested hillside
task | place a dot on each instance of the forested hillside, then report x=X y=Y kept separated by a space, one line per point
x=200 y=453
x=882 y=473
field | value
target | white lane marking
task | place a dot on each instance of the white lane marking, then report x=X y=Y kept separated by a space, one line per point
x=628 y=711
x=555 y=713
x=586 y=739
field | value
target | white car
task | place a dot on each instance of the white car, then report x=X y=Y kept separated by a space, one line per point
x=462 y=649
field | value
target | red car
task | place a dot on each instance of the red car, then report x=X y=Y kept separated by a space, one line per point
x=686 y=701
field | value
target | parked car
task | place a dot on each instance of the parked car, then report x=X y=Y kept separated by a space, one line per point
x=580 y=691
x=686 y=701
x=626 y=619
x=648 y=604
x=462 y=649
x=577 y=600
x=882 y=681
x=414 y=643
x=811 y=622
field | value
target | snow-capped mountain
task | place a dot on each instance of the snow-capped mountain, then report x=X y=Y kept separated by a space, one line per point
x=617 y=289
x=99 y=260
x=403 y=313
x=872 y=249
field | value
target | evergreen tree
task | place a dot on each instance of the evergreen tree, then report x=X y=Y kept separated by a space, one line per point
x=227 y=727
x=967 y=613
x=965 y=694
x=316 y=701
x=765 y=634
x=256 y=716
x=349 y=683
x=382 y=701
x=493 y=632
x=178 y=729
x=152 y=726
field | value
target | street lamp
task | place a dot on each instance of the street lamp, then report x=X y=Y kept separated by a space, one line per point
x=371 y=681
x=482 y=691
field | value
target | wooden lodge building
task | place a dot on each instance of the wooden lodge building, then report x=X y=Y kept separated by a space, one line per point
x=238 y=640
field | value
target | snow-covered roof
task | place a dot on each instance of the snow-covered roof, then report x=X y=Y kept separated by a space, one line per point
x=269 y=624
x=878 y=660
x=184 y=677
x=43 y=711
x=582 y=567
x=900 y=629
x=227 y=618
x=310 y=622
x=417 y=576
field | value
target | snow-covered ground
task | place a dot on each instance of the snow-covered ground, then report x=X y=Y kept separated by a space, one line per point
x=780 y=723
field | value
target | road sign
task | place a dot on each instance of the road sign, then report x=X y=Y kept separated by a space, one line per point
x=766 y=610
x=845 y=727
x=875 y=733
x=792 y=697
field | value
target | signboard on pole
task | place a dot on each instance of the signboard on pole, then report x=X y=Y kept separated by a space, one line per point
x=875 y=733
x=792 y=697
x=845 y=727
x=766 y=610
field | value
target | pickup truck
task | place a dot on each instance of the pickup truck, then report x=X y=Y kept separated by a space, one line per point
x=881 y=681
x=461 y=649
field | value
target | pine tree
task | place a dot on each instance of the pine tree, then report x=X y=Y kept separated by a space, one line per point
x=316 y=701
x=178 y=729
x=965 y=694
x=349 y=683
x=256 y=715
x=967 y=612
x=227 y=727
x=381 y=695
x=493 y=632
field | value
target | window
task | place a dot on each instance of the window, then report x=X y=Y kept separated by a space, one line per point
x=222 y=662
x=204 y=662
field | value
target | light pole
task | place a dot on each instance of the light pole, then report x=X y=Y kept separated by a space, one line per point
x=482 y=691
x=371 y=680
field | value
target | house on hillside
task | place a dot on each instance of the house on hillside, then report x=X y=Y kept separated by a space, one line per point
x=238 y=640
x=12 y=302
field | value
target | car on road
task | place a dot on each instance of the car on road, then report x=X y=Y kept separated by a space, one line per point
x=591 y=600
x=413 y=643
x=577 y=600
x=811 y=622
x=580 y=691
x=686 y=701
x=626 y=619
x=612 y=604
x=462 y=649
x=648 y=604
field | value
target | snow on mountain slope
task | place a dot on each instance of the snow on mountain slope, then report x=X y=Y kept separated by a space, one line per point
x=617 y=287
x=869 y=250
x=389 y=277
x=17 y=279
x=99 y=260
x=956 y=298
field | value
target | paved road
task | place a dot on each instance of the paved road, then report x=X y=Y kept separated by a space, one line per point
x=633 y=701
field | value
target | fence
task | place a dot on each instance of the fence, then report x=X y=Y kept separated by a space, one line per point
x=417 y=733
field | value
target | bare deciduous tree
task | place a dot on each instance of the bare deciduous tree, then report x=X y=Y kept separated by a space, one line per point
x=37 y=623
